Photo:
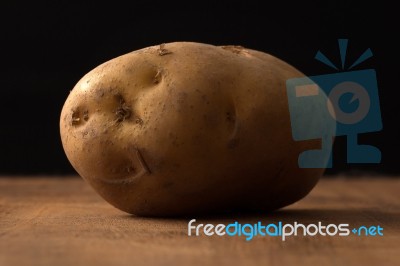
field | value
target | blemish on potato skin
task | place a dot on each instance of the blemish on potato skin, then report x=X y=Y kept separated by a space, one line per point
x=139 y=121
x=158 y=76
x=162 y=50
x=123 y=111
x=233 y=48
x=75 y=117
x=86 y=115
x=237 y=50
x=84 y=134
x=137 y=169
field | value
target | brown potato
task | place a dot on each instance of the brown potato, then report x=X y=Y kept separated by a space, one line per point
x=187 y=128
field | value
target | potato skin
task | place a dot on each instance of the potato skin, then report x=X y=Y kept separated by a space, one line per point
x=187 y=128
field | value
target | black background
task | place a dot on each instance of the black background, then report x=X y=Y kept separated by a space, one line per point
x=46 y=48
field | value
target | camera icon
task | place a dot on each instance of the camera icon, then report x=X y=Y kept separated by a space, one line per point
x=339 y=104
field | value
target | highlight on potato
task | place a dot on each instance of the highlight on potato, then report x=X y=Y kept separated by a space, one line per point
x=187 y=128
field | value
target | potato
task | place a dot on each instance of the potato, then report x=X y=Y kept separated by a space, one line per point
x=187 y=128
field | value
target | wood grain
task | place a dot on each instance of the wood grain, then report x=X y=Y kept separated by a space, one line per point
x=61 y=221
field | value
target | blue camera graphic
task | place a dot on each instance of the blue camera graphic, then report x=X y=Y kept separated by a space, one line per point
x=339 y=104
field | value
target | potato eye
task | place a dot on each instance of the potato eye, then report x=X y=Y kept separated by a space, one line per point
x=77 y=116
x=123 y=111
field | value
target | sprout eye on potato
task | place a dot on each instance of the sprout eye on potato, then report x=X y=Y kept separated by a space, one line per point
x=186 y=128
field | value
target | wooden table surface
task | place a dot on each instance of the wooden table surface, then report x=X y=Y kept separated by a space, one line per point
x=62 y=221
